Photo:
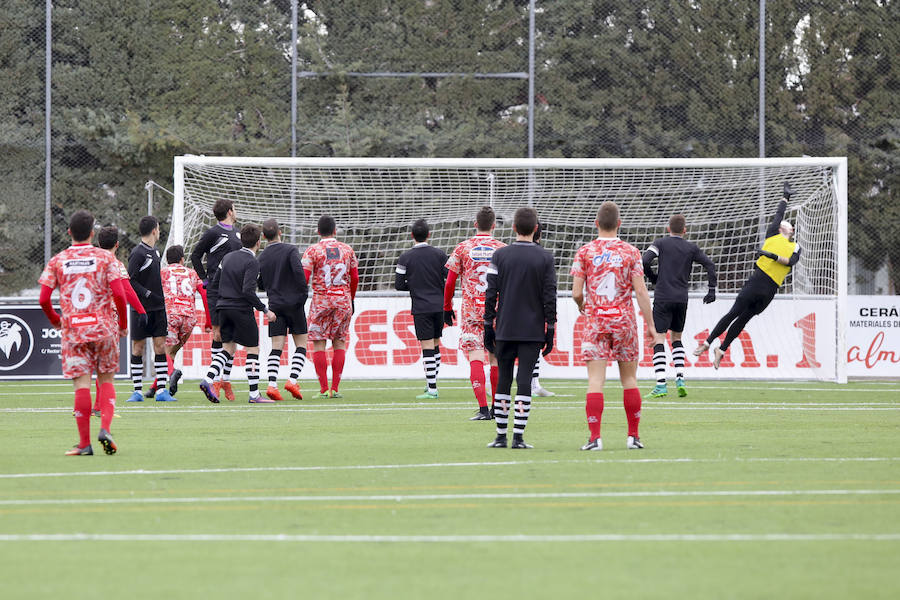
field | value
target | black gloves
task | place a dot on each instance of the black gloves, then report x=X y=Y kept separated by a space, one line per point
x=449 y=317
x=548 y=339
x=143 y=320
x=710 y=296
x=768 y=254
x=787 y=191
x=490 y=338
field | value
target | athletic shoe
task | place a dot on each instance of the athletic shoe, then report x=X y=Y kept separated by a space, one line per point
x=481 y=416
x=208 y=392
x=323 y=396
x=704 y=347
x=593 y=445
x=718 y=353
x=540 y=391
x=217 y=387
x=657 y=392
x=173 y=381
x=519 y=445
x=273 y=393
x=165 y=396
x=108 y=443
x=294 y=389
x=76 y=451
x=679 y=385
x=152 y=391
x=499 y=442
x=634 y=443
x=260 y=400
x=135 y=397
x=428 y=395
x=226 y=389
x=336 y=394
x=95 y=413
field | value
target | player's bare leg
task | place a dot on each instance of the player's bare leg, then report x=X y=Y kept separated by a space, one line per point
x=632 y=402
x=593 y=406
x=298 y=360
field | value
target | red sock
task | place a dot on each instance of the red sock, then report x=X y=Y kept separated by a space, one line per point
x=495 y=377
x=633 y=410
x=593 y=406
x=107 y=399
x=170 y=364
x=476 y=376
x=337 y=367
x=83 y=415
x=320 y=361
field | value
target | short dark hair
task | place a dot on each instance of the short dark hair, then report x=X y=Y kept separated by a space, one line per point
x=525 y=220
x=270 y=228
x=147 y=225
x=677 y=223
x=485 y=218
x=608 y=216
x=174 y=254
x=108 y=237
x=420 y=230
x=326 y=225
x=221 y=208
x=81 y=224
x=249 y=235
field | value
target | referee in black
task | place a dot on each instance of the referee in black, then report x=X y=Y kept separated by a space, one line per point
x=676 y=258
x=237 y=277
x=772 y=266
x=281 y=276
x=421 y=271
x=521 y=296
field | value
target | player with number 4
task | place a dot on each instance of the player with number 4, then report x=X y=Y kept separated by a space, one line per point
x=332 y=269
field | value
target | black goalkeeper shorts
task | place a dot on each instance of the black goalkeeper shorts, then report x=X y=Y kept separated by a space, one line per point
x=669 y=316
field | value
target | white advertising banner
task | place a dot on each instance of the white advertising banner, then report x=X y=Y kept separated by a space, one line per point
x=792 y=339
x=873 y=336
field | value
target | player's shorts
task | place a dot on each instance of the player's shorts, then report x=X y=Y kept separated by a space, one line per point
x=329 y=322
x=239 y=325
x=179 y=328
x=100 y=356
x=669 y=316
x=428 y=325
x=471 y=335
x=753 y=298
x=211 y=299
x=610 y=339
x=156 y=325
x=290 y=319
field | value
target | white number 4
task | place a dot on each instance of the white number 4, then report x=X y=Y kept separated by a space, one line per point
x=606 y=287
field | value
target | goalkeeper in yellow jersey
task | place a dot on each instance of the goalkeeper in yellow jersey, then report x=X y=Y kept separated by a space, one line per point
x=775 y=260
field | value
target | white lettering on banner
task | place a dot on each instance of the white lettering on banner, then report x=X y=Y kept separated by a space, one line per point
x=79 y=265
x=873 y=339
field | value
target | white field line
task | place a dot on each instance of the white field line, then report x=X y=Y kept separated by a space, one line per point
x=420 y=497
x=448 y=539
x=479 y=465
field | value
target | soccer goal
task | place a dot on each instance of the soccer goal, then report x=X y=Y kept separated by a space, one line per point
x=727 y=202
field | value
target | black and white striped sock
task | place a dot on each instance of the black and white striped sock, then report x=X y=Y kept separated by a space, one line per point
x=272 y=366
x=437 y=361
x=522 y=409
x=161 y=369
x=137 y=371
x=501 y=412
x=218 y=363
x=229 y=363
x=428 y=362
x=298 y=361
x=678 y=358
x=659 y=363
x=214 y=350
x=536 y=375
x=253 y=374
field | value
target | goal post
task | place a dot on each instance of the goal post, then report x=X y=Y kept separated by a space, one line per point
x=727 y=204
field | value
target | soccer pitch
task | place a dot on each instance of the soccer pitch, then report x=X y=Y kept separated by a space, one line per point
x=744 y=490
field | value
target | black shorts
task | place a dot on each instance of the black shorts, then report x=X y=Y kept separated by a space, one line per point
x=428 y=325
x=669 y=316
x=756 y=294
x=290 y=319
x=157 y=325
x=211 y=304
x=239 y=325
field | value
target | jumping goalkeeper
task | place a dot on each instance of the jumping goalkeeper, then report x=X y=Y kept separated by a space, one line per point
x=775 y=260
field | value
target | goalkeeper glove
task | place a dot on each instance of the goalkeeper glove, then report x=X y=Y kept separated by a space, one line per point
x=710 y=296
x=548 y=339
x=449 y=316
x=768 y=254
x=143 y=320
x=490 y=338
x=787 y=190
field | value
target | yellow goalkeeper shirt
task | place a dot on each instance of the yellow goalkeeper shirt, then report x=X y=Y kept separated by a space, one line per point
x=780 y=245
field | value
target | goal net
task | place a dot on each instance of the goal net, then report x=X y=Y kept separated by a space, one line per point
x=728 y=203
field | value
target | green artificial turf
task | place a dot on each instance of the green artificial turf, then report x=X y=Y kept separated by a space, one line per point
x=744 y=490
